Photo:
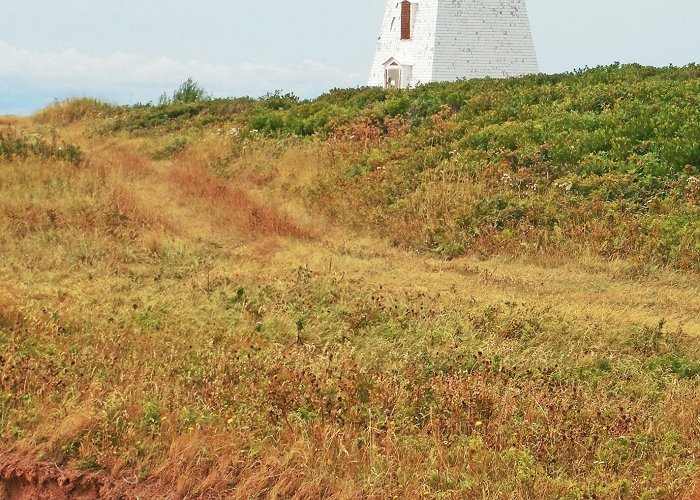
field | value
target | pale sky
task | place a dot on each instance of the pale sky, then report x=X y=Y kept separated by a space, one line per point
x=131 y=51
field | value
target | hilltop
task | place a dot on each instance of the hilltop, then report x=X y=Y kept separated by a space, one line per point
x=485 y=288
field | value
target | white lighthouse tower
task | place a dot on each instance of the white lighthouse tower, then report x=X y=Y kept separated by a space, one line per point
x=443 y=40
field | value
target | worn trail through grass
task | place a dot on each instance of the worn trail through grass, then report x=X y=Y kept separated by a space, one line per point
x=586 y=288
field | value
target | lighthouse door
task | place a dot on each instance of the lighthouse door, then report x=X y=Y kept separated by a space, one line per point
x=392 y=76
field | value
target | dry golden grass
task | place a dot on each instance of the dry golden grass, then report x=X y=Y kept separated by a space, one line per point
x=71 y=110
x=190 y=326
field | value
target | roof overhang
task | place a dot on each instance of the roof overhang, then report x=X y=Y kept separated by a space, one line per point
x=392 y=61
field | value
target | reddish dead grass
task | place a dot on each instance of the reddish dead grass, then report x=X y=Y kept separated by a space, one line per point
x=114 y=157
x=234 y=205
x=126 y=209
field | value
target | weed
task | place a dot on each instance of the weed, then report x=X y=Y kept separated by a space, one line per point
x=151 y=417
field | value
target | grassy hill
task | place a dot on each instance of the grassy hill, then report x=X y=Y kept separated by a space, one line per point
x=605 y=161
x=479 y=289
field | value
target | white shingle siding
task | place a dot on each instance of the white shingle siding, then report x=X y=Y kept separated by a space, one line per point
x=416 y=52
x=454 y=39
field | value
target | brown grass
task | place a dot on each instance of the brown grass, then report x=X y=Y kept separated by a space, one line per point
x=203 y=333
x=234 y=206
x=72 y=110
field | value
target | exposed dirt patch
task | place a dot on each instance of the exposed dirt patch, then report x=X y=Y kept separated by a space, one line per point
x=23 y=479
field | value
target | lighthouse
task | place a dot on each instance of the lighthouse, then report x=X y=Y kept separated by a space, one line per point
x=424 y=41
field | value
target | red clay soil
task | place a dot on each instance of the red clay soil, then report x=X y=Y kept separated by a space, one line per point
x=24 y=479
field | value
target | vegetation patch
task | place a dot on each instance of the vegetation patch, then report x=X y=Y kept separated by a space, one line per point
x=14 y=146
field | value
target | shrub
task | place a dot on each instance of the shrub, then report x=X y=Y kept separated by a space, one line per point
x=18 y=148
x=189 y=91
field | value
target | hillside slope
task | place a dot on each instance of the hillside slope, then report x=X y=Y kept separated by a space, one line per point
x=210 y=299
x=604 y=161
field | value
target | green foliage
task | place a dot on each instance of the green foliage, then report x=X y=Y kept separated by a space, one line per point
x=14 y=147
x=523 y=164
x=173 y=147
x=151 y=417
x=189 y=91
x=168 y=116
x=679 y=366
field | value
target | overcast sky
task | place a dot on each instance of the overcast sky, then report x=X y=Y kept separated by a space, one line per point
x=133 y=50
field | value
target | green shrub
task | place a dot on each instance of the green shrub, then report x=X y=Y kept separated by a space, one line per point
x=189 y=91
x=18 y=148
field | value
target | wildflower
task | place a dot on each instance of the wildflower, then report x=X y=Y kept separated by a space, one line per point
x=566 y=186
x=478 y=423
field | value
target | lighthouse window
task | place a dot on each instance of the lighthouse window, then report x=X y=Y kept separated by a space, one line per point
x=405 y=20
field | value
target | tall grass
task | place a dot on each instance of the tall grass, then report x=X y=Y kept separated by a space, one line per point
x=72 y=110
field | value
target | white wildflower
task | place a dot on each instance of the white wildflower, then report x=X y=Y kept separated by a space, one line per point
x=566 y=186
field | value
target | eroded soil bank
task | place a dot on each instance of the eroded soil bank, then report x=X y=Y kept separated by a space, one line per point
x=24 y=479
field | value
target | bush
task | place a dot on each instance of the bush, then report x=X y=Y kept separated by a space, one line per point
x=189 y=91
x=20 y=148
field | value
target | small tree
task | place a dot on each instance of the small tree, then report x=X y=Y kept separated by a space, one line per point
x=190 y=91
